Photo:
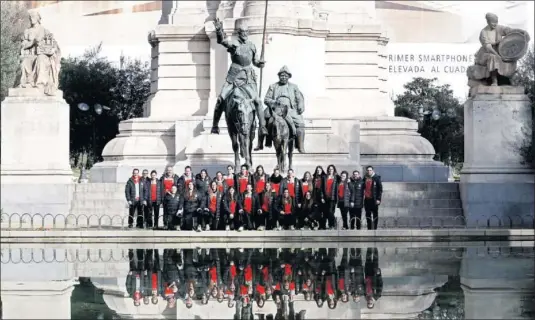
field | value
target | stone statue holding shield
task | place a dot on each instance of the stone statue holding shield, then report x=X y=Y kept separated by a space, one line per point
x=501 y=48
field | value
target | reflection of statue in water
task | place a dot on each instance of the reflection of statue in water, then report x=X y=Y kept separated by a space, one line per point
x=40 y=57
x=495 y=63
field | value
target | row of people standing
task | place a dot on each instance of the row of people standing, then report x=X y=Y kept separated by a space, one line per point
x=254 y=200
x=245 y=276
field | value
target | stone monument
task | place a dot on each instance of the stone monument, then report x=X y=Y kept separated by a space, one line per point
x=337 y=54
x=494 y=181
x=35 y=171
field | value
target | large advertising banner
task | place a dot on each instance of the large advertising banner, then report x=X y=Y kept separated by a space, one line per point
x=445 y=61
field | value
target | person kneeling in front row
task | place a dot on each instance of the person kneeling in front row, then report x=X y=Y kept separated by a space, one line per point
x=173 y=209
x=286 y=208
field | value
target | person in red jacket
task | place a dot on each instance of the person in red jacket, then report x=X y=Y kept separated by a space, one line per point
x=260 y=178
x=306 y=183
x=230 y=177
x=265 y=212
x=248 y=202
x=243 y=179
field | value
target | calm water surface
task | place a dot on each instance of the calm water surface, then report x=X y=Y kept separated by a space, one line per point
x=346 y=282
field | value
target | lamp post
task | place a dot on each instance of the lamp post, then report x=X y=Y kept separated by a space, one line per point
x=98 y=109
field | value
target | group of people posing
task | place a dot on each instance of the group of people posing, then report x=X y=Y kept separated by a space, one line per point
x=241 y=277
x=253 y=201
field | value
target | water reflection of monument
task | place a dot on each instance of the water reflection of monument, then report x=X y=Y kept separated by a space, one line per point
x=204 y=283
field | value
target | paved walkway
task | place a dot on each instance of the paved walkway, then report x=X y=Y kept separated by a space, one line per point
x=151 y=236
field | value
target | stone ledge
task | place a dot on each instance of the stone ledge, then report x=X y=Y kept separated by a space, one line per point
x=254 y=237
x=62 y=245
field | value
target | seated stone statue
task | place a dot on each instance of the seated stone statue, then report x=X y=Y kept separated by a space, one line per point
x=40 y=57
x=490 y=67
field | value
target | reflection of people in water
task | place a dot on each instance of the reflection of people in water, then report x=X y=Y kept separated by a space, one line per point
x=133 y=279
x=143 y=282
x=173 y=274
x=356 y=274
x=244 y=277
x=373 y=278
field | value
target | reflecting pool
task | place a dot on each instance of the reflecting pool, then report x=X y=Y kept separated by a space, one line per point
x=343 y=281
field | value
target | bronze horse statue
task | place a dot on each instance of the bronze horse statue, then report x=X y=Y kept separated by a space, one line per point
x=240 y=118
x=280 y=133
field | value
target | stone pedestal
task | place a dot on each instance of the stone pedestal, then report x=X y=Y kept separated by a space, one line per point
x=495 y=184
x=327 y=141
x=37 y=300
x=35 y=170
x=34 y=285
x=496 y=288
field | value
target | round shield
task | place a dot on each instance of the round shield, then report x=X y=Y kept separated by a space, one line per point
x=513 y=46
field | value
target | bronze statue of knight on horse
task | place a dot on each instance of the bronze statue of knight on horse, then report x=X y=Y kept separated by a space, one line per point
x=239 y=95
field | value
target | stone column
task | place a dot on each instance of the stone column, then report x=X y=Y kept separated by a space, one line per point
x=181 y=60
x=495 y=185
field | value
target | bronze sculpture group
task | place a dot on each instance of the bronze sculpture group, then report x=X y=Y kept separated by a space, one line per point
x=280 y=124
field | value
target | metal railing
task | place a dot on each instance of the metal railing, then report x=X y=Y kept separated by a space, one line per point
x=434 y=255
x=27 y=221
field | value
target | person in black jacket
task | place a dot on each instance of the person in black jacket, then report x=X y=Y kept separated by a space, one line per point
x=135 y=193
x=147 y=216
x=173 y=203
x=373 y=192
x=202 y=183
x=167 y=181
x=154 y=200
x=330 y=180
x=193 y=205
x=343 y=195
x=355 y=201
x=309 y=213
x=317 y=193
x=230 y=203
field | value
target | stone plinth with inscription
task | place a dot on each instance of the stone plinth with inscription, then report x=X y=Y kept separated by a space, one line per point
x=35 y=169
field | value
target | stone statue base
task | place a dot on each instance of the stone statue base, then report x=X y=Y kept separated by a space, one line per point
x=35 y=170
x=494 y=182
